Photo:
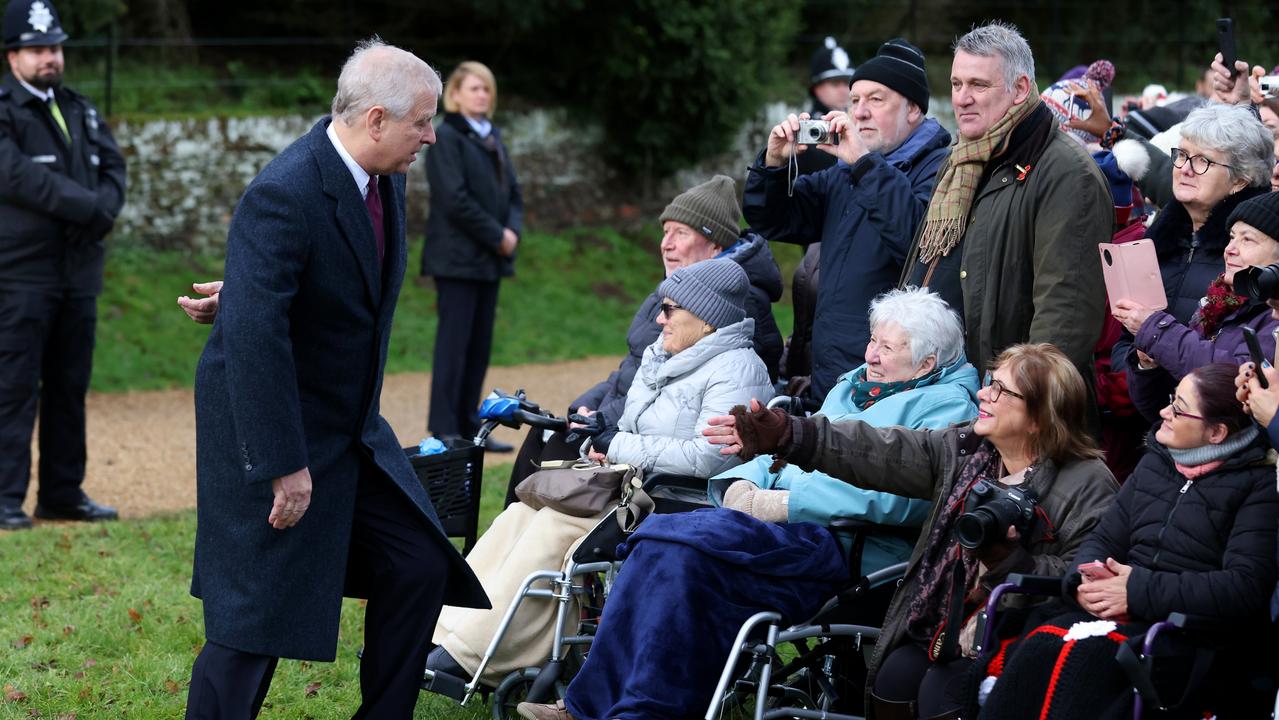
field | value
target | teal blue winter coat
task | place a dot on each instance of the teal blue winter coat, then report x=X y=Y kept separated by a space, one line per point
x=819 y=498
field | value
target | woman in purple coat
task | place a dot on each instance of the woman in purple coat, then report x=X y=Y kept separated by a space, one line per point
x=1168 y=350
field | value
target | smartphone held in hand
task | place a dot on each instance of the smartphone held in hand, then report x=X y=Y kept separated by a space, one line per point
x=1095 y=570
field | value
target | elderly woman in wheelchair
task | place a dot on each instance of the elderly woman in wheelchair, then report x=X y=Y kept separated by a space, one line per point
x=701 y=366
x=1193 y=532
x=1017 y=490
x=704 y=573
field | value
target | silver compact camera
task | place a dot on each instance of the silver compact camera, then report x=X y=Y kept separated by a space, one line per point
x=816 y=132
x=1269 y=86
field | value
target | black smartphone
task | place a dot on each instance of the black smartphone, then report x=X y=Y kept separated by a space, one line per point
x=1226 y=41
x=1254 y=349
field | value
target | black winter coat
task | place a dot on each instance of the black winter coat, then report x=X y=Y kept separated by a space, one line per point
x=609 y=396
x=1189 y=261
x=1205 y=546
x=474 y=197
x=50 y=192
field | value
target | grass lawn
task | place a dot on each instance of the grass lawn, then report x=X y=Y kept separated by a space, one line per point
x=573 y=296
x=96 y=622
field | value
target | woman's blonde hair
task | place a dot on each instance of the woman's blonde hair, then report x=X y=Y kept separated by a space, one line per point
x=460 y=73
x=1056 y=400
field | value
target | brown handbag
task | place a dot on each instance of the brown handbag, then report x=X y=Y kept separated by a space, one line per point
x=580 y=488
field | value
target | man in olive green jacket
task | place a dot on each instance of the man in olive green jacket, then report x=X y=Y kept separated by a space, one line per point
x=1010 y=237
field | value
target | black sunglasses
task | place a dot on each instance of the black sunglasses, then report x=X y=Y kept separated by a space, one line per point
x=668 y=308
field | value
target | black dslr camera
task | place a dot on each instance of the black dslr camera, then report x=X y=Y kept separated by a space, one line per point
x=992 y=510
x=1258 y=283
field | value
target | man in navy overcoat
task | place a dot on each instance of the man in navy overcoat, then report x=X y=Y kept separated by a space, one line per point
x=304 y=494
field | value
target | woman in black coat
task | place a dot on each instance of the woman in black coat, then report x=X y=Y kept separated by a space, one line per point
x=1192 y=531
x=471 y=236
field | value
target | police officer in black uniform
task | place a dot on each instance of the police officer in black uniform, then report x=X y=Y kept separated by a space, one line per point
x=61 y=187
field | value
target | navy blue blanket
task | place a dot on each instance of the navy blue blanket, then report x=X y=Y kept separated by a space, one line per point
x=689 y=582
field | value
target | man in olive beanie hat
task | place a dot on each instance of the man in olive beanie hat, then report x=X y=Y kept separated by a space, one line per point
x=710 y=209
x=863 y=211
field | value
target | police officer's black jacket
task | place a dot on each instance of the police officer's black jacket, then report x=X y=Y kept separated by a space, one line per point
x=53 y=194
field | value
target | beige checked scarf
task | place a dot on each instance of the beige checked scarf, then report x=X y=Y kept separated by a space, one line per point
x=948 y=211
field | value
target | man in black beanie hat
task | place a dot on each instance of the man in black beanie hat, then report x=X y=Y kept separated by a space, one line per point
x=864 y=210
x=61 y=187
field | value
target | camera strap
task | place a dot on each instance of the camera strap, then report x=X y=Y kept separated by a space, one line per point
x=792 y=168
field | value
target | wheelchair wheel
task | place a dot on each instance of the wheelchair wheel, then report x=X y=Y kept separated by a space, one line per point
x=512 y=691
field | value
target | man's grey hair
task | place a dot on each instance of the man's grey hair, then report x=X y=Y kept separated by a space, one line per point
x=1236 y=133
x=933 y=327
x=382 y=74
x=1003 y=39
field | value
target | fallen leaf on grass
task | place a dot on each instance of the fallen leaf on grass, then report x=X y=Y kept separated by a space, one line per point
x=135 y=616
x=22 y=642
x=11 y=695
x=39 y=602
x=313 y=689
x=89 y=663
x=172 y=687
x=68 y=629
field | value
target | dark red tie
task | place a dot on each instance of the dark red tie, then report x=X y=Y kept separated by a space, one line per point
x=373 y=202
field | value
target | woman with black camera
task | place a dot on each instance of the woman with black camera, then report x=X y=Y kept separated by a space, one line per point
x=1168 y=349
x=1192 y=531
x=1045 y=488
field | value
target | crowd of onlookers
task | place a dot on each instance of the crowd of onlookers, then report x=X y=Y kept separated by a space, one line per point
x=954 y=349
x=960 y=378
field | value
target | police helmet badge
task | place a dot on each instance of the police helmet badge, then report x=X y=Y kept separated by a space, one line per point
x=39 y=17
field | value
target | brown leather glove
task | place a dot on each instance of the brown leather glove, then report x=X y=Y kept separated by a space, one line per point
x=766 y=432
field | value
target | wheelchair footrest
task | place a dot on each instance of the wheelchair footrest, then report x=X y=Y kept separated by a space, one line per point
x=442 y=683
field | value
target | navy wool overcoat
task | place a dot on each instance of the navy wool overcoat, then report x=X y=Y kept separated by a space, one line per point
x=290 y=378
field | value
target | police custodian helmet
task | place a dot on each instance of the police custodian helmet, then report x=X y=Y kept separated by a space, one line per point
x=32 y=22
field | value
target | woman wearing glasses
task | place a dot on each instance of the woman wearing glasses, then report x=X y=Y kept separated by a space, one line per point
x=700 y=367
x=1029 y=435
x=1167 y=348
x=1223 y=158
x=1192 y=531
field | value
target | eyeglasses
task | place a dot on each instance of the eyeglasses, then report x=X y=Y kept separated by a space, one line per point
x=1198 y=163
x=997 y=388
x=1176 y=413
x=668 y=308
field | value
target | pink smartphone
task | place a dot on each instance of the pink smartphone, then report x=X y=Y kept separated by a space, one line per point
x=1131 y=272
x=1095 y=570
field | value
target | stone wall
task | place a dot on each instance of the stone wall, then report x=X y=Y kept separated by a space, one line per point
x=185 y=176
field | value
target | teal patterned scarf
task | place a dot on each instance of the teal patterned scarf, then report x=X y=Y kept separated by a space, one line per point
x=867 y=392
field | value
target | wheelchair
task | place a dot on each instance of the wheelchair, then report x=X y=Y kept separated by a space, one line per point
x=1197 y=698
x=586 y=581
x=825 y=674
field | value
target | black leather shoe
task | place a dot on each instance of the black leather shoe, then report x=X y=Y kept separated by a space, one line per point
x=84 y=511
x=12 y=518
x=497 y=446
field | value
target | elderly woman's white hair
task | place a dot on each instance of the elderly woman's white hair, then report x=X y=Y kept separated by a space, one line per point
x=385 y=75
x=1236 y=133
x=933 y=327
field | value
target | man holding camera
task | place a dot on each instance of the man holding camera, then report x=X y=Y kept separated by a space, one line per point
x=61 y=186
x=1010 y=237
x=864 y=210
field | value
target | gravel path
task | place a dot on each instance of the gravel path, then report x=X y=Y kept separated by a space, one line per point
x=142 y=444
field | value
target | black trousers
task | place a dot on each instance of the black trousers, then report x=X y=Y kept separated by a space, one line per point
x=908 y=675
x=394 y=561
x=46 y=358
x=463 y=340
